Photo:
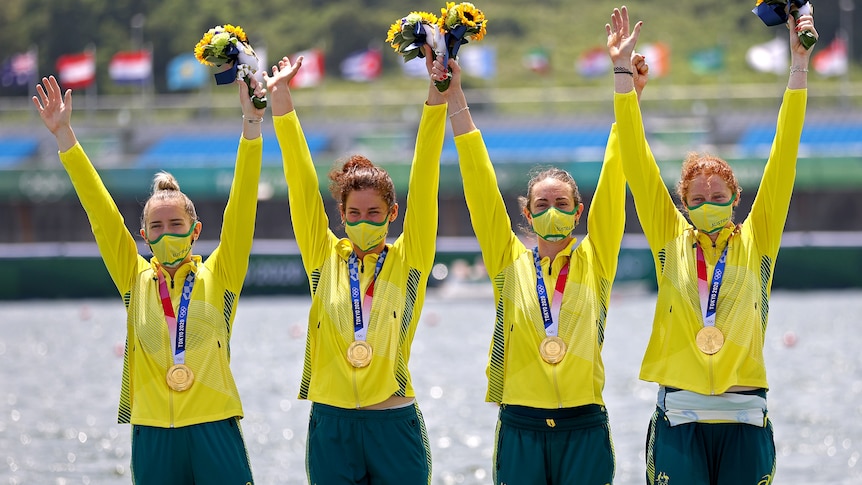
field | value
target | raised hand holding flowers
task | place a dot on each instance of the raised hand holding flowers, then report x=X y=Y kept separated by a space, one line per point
x=459 y=21
x=227 y=47
x=775 y=12
x=444 y=35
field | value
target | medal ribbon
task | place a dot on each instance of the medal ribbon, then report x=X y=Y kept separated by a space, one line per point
x=709 y=292
x=548 y=311
x=362 y=309
x=177 y=324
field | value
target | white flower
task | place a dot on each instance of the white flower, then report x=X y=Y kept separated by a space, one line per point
x=434 y=38
x=247 y=57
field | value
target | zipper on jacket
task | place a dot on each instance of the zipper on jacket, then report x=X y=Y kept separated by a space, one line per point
x=356 y=390
x=711 y=376
x=171 y=406
x=557 y=388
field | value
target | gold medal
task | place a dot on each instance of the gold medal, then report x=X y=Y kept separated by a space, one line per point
x=180 y=377
x=552 y=349
x=359 y=353
x=709 y=340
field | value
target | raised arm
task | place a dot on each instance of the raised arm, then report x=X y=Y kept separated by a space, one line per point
x=307 y=213
x=116 y=244
x=421 y=217
x=659 y=217
x=606 y=224
x=769 y=209
x=230 y=258
x=488 y=213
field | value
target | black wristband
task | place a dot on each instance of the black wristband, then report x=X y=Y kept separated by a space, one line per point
x=623 y=70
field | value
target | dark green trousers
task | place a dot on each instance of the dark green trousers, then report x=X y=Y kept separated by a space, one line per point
x=202 y=453
x=553 y=446
x=709 y=454
x=360 y=447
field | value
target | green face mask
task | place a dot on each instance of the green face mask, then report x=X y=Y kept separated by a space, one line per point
x=710 y=217
x=366 y=235
x=171 y=249
x=554 y=224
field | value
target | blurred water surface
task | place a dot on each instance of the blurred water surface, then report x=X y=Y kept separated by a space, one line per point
x=60 y=366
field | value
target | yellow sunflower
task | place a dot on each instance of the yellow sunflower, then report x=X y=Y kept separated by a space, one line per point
x=237 y=31
x=466 y=14
x=200 y=49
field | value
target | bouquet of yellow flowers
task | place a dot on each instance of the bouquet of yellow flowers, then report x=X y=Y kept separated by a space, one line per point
x=227 y=47
x=444 y=35
x=775 y=12
x=408 y=34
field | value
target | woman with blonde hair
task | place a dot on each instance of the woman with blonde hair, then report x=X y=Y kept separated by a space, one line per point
x=178 y=390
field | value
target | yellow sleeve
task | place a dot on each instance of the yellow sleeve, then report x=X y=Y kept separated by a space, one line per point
x=421 y=216
x=500 y=246
x=307 y=213
x=660 y=219
x=230 y=259
x=607 y=213
x=116 y=244
x=769 y=209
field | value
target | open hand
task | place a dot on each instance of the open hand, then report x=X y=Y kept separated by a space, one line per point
x=54 y=107
x=621 y=40
x=282 y=73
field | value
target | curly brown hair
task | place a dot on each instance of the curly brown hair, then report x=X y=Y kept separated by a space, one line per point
x=358 y=173
x=696 y=164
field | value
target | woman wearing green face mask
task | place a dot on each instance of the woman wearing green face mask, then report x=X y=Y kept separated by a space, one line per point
x=545 y=367
x=710 y=426
x=178 y=390
x=366 y=299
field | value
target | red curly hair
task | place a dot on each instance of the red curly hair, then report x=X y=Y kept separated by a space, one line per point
x=696 y=164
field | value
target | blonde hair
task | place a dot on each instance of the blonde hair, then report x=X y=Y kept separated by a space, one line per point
x=166 y=188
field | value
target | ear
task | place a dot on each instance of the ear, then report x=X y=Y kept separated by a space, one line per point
x=341 y=212
x=144 y=235
x=580 y=211
x=197 y=232
x=393 y=214
x=738 y=196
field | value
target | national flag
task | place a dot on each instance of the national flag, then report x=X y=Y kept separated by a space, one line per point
x=657 y=56
x=594 y=62
x=537 y=60
x=77 y=71
x=131 y=67
x=19 y=70
x=311 y=72
x=832 y=60
x=707 y=61
x=478 y=61
x=186 y=72
x=769 y=56
x=415 y=67
x=362 y=66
